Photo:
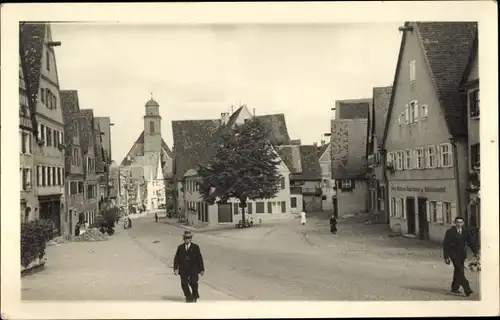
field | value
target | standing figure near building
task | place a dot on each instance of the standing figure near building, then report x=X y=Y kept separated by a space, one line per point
x=333 y=224
x=303 y=218
x=188 y=263
x=455 y=244
x=156 y=216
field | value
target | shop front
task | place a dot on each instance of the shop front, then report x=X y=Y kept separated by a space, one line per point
x=422 y=208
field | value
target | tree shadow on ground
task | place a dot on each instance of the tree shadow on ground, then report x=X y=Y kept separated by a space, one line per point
x=173 y=298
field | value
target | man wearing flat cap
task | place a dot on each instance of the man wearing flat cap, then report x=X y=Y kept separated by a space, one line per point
x=188 y=263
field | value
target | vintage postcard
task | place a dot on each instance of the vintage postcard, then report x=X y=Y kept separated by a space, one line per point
x=241 y=160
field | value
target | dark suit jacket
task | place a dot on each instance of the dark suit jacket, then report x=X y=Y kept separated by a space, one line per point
x=188 y=262
x=455 y=245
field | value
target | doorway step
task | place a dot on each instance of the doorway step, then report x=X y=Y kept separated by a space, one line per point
x=410 y=236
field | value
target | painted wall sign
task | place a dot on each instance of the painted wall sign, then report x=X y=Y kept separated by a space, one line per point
x=418 y=189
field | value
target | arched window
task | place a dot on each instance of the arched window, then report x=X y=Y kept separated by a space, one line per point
x=151 y=126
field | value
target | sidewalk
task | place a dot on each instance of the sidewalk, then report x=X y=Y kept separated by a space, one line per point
x=117 y=269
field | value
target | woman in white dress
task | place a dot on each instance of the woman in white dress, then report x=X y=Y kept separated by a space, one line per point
x=303 y=218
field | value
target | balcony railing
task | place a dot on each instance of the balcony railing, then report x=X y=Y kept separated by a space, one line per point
x=314 y=191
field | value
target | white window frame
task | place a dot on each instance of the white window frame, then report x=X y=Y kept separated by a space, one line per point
x=399 y=160
x=445 y=212
x=413 y=111
x=390 y=159
x=443 y=154
x=469 y=97
x=433 y=211
x=412 y=69
x=430 y=155
x=407 y=114
x=40 y=175
x=424 y=114
x=408 y=164
x=346 y=184
x=419 y=156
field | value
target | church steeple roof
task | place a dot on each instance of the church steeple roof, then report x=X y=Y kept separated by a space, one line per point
x=152 y=102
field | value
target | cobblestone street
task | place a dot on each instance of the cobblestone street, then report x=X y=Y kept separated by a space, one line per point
x=282 y=261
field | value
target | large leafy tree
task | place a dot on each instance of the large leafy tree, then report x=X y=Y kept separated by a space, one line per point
x=245 y=166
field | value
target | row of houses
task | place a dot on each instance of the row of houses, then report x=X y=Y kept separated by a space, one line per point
x=410 y=154
x=195 y=143
x=64 y=150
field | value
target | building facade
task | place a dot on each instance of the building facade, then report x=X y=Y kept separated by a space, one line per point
x=425 y=138
x=194 y=143
x=43 y=87
x=348 y=140
x=29 y=201
x=376 y=174
x=470 y=89
x=90 y=150
x=151 y=153
x=328 y=185
x=76 y=201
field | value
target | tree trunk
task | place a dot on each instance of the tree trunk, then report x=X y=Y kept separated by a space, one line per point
x=243 y=205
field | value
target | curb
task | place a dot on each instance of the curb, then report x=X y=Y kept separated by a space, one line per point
x=35 y=269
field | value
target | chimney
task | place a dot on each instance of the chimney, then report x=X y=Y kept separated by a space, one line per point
x=224 y=116
x=254 y=112
x=322 y=142
x=315 y=144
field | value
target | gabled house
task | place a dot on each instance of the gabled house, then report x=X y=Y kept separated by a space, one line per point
x=425 y=137
x=348 y=140
x=42 y=84
x=195 y=143
x=151 y=153
x=102 y=127
x=74 y=172
x=469 y=86
x=376 y=173
x=305 y=176
x=89 y=148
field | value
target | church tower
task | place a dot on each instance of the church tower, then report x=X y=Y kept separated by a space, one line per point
x=152 y=128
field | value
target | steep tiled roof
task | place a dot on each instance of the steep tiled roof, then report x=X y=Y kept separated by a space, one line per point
x=277 y=124
x=138 y=149
x=381 y=100
x=32 y=36
x=348 y=143
x=352 y=109
x=472 y=57
x=193 y=143
x=447 y=46
x=290 y=154
x=322 y=149
x=69 y=106
x=311 y=169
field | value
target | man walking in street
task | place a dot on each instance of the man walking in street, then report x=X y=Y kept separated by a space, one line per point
x=455 y=244
x=156 y=216
x=188 y=263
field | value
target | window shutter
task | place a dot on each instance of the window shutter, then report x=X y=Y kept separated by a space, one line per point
x=415 y=110
x=450 y=148
x=283 y=206
x=353 y=184
x=439 y=209
x=453 y=211
x=249 y=208
x=438 y=156
x=39 y=132
x=428 y=210
x=407 y=114
x=269 y=207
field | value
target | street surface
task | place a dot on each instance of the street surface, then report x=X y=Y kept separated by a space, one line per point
x=275 y=261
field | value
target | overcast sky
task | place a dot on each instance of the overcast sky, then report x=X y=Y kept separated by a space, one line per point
x=197 y=72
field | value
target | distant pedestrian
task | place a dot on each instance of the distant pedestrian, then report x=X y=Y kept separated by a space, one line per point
x=77 y=229
x=129 y=223
x=333 y=224
x=156 y=216
x=303 y=218
x=455 y=244
x=188 y=263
